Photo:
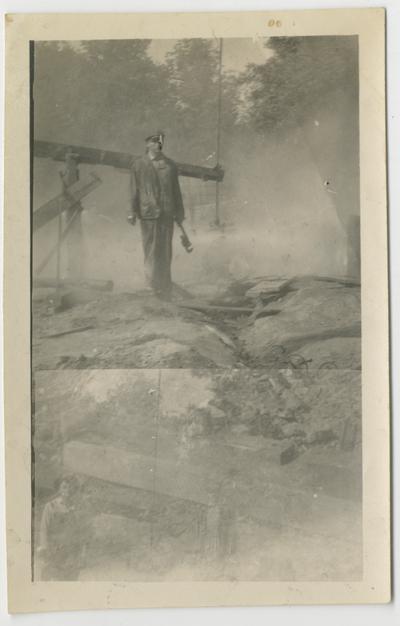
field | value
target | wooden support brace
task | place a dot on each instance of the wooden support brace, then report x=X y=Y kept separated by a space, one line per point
x=62 y=202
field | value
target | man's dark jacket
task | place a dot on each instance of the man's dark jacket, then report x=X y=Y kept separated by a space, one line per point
x=155 y=189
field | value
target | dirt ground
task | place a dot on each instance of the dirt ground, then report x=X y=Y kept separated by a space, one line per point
x=306 y=322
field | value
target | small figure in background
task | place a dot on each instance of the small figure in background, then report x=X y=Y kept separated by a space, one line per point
x=71 y=173
x=63 y=534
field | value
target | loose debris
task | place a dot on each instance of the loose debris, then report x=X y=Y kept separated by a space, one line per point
x=299 y=323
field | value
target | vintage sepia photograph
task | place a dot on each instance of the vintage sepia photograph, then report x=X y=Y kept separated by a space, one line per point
x=203 y=369
x=196 y=209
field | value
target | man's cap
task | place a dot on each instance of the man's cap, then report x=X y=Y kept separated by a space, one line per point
x=159 y=136
x=70 y=154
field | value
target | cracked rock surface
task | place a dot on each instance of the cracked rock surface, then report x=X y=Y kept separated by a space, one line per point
x=306 y=322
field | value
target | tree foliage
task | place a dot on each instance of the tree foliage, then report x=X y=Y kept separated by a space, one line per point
x=112 y=93
x=304 y=76
x=104 y=93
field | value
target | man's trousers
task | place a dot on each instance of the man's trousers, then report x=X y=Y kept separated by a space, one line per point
x=157 y=247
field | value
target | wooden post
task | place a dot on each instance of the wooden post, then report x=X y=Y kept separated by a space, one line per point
x=217 y=190
x=75 y=258
x=58 y=261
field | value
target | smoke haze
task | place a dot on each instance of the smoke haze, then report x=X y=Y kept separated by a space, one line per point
x=286 y=197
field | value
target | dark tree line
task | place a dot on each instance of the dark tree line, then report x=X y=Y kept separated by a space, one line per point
x=304 y=77
x=110 y=93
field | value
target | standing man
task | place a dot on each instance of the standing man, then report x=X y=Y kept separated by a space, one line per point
x=157 y=202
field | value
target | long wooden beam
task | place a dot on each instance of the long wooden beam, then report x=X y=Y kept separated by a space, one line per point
x=96 y=284
x=128 y=468
x=120 y=160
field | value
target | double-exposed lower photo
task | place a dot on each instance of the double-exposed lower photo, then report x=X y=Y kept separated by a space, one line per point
x=163 y=475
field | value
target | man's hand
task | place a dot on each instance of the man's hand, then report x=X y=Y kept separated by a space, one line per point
x=131 y=219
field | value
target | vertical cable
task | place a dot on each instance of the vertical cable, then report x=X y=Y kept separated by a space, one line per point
x=217 y=195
